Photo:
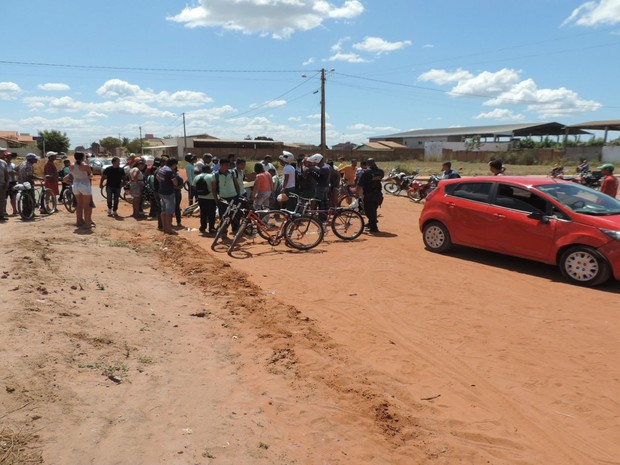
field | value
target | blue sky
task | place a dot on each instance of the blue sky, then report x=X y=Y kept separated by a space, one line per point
x=240 y=68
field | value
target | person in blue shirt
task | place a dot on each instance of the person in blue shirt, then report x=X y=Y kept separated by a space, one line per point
x=448 y=172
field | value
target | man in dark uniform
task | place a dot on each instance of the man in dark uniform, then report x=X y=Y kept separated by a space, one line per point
x=369 y=189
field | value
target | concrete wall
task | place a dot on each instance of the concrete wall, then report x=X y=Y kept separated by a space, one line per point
x=434 y=150
x=581 y=153
x=611 y=154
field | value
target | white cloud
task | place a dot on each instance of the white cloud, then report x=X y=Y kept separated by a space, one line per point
x=308 y=62
x=373 y=129
x=337 y=47
x=270 y=104
x=9 y=90
x=501 y=114
x=486 y=83
x=441 y=76
x=379 y=46
x=348 y=57
x=93 y=115
x=280 y=18
x=70 y=105
x=548 y=103
x=428 y=46
x=594 y=13
x=505 y=87
x=123 y=90
x=54 y=86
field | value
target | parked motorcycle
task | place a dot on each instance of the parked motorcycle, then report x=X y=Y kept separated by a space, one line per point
x=419 y=190
x=397 y=182
x=592 y=179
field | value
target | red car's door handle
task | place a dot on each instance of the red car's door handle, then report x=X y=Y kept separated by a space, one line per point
x=499 y=215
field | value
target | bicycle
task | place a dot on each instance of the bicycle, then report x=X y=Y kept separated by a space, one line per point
x=29 y=197
x=346 y=223
x=301 y=232
x=68 y=199
x=125 y=192
x=226 y=218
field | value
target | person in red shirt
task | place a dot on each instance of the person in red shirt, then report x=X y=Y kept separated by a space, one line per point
x=51 y=173
x=610 y=182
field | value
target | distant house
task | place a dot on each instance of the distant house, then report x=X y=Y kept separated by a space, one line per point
x=18 y=143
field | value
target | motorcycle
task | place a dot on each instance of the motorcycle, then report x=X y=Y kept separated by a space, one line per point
x=592 y=179
x=419 y=190
x=398 y=182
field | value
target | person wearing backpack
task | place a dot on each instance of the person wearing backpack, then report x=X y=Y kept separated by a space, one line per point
x=227 y=188
x=204 y=180
x=369 y=189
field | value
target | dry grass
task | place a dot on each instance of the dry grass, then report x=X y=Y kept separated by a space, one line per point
x=465 y=168
x=16 y=448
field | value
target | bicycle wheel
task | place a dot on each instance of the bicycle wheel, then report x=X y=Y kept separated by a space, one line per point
x=303 y=233
x=127 y=195
x=220 y=232
x=238 y=236
x=271 y=218
x=104 y=192
x=25 y=206
x=347 y=224
x=49 y=201
x=68 y=200
x=345 y=201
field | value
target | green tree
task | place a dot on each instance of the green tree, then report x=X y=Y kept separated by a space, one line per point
x=54 y=141
x=94 y=148
x=134 y=146
x=263 y=138
x=110 y=143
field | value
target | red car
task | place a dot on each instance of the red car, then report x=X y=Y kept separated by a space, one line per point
x=547 y=220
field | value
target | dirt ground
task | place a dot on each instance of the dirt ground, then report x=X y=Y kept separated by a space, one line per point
x=127 y=347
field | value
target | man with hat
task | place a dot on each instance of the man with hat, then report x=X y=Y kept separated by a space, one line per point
x=369 y=189
x=4 y=182
x=610 y=182
x=50 y=173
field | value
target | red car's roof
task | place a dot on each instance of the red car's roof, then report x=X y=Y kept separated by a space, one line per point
x=522 y=180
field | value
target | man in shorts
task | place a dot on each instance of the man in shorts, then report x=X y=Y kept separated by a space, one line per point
x=167 y=182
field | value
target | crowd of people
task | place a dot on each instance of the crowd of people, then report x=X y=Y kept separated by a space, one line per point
x=213 y=182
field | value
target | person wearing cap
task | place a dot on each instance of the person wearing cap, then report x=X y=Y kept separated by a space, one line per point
x=50 y=173
x=610 y=182
x=4 y=183
x=369 y=190
x=288 y=179
x=25 y=171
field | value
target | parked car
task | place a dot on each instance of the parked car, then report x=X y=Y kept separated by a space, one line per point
x=547 y=220
x=99 y=164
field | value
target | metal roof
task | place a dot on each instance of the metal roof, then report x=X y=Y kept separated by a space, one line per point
x=611 y=125
x=506 y=130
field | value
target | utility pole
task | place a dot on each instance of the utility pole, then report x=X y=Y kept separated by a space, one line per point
x=323 y=145
x=141 y=146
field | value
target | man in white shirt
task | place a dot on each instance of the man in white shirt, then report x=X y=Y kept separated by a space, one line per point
x=288 y=179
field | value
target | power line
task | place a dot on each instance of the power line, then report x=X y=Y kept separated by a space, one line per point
x=132 y=68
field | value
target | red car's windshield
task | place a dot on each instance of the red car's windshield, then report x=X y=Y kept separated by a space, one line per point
x=582 y=199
